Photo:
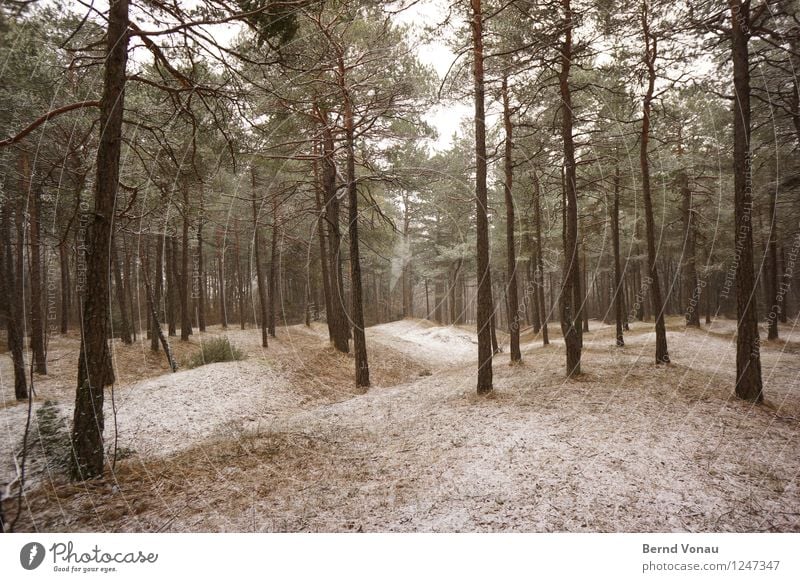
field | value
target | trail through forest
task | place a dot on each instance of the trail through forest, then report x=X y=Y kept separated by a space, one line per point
x=282 y=441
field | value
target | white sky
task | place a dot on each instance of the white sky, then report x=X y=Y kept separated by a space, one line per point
x=447 y=116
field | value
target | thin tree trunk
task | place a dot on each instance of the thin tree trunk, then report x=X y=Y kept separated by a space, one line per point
x=223 y=304
x=185 y=280
x=125 y=328
x=539 y=275
x=357 y=309
x=11 y=274
x=508 y=168
x=169 y=247
x=155 y=323
x=427 y=302
x=570 y=286
x=273 y=268
x=337 y=315
x=158 y=333
x=485 y=303
x=650 y=52
x=689 y=272
x=237 y=255
x=619 y=309
x=63 y=255
x=772 y=273
x=94 y=363
x=748 y=356
x=323 y=253
x=785 y=284
x=128 y=289
x=262 y=286
x=201 y=277
x=35 y=257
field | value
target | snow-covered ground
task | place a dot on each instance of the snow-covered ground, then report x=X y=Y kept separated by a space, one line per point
x=282 y=441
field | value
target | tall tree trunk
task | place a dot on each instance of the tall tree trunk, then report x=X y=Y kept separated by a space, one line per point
x=94 y=363
x=508 y=168
x=201 y=277
x=337 y=315
x=748 y=356
x=619 y=309
x=357 y=307
x=539 y=276
x=223 y=304
x=11 y=274
x=408 y=286
x=34 y=203
x=128 y=289
x=650 y=52
x=262 y=286
x=772 y=273
x=785 y=284
x=323 y=252
x=185 y=280
x=584 y=297
x=570 y=286
x=124 y=326
x=689 y=271
x=158 y=333
x=485 y=302
x=63 y=254
x=273 y=268
x=427 y=302
x=170 y=251
x=237 y=255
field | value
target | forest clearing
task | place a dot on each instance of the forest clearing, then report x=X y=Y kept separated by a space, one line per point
x=281 y=441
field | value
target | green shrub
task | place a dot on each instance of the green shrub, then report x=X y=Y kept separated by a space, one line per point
x=218 y=349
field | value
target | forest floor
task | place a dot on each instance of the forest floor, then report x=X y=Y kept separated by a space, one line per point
x=282 y=441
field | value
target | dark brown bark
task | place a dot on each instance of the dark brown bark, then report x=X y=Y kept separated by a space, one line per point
x=262 y=286
x=170 y=247
x=223 y=304
x=201 y=278
x=775 y=299
x=584 y=297
x=785 y=283
x=273 y=268
x=158 y=333
x=237 y=256
x=748 y=357
x=119 y=291
x=618 y=295
x=11 y=274
x=570 y=286
x=508 y=170
x=356 y=293
x=691 y=288
x=539 y=275
x=407 y=283
x=427 y=302
x=34 y=203
x=128 y=289
x=323 y=252
x=650 y=52
x=337 y=316
x=94 y=363
x=485 y=303
x=185 y=280
x=63 y=255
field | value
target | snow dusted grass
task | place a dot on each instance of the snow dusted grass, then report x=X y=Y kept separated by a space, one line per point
x=283 y=442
